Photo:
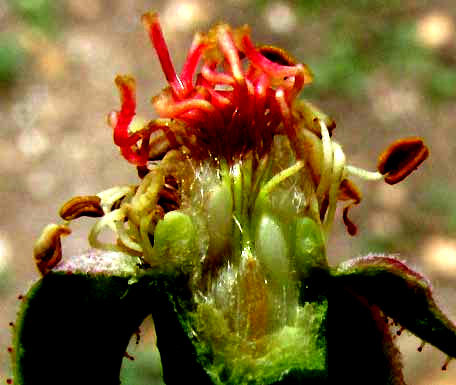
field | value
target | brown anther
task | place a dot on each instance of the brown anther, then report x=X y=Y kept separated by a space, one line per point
x=420 y=348
x=277 y=55
x=348 y=191
x=48 y=248
x=117 y=204
x=82 y=206
x=168 y=206
x=171 y=182
x=119 y=201
x=401 y=158
x=399 y=332
x=445 y=364
x=352 y=229
x=159 y=212
x=142 y=171
x=138 y=335
x=131 y=358
x=324 y=206
x=168 y=194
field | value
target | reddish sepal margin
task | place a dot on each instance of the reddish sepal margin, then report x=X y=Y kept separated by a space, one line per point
x=402 y=294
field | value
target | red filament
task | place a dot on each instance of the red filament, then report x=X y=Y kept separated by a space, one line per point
x=238 y=101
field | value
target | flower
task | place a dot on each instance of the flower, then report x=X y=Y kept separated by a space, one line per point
x=226 y=234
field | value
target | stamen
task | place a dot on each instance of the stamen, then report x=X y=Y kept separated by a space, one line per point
x=446 y=363
x=127 y=91
x=126 y=239
x=364 y=174
x=47 y=251
x=215 y=77
x=88 y=206
x=112 y=195
x=327 y=162
x=238 y=224
x=146 y=197
x=261 y=89
x=286 y=114
x=229 y=50
x=218 y=100
x=352 y=229
x=281 y=176
x=271 y=68
x=193 y=57
x=137 y=158
x=152 y=24
x=241 y=92
x=107 y=221
x=401 y=158
x=349 y=192
x=144 y=230
x=169 y=110
x=420 y=348
x=276 y=55
x=299 y=81
x=336 y=178
x=123 y=119
x=310 y=115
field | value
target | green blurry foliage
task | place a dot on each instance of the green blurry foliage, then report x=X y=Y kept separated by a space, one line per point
x=12 y=59
x=354 y=55
x=369 y=35
x=442 y=84
x=6 y=278
x=41 y=14
x=440 y=202
x=378 y=244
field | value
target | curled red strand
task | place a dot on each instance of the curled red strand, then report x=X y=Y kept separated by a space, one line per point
x=241 y=97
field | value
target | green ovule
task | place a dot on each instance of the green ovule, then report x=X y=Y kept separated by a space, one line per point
x=219 y=208
x=272 y=249
x=174 y=239
x=309 y=247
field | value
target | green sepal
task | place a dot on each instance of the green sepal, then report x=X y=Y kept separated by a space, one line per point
x=75 y=328
x=75 y=323
x=402 y=294
x=361 y=349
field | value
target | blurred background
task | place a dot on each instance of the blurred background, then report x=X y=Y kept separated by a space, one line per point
x=383 y=69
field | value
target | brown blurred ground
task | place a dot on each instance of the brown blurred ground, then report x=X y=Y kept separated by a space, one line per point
x=54 y=142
